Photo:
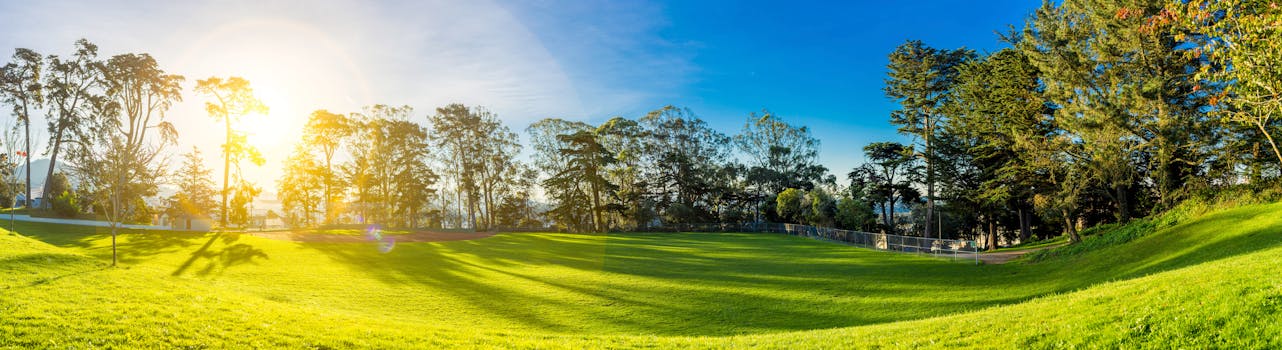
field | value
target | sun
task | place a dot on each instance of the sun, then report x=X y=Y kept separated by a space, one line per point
x=274 y=131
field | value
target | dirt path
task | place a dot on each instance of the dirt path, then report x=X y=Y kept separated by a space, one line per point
x=424 y=236
x=1007 y=256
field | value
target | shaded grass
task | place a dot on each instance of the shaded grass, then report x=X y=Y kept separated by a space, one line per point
x=1203 y=282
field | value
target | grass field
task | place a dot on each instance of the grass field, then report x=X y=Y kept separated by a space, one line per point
x=1210 y=281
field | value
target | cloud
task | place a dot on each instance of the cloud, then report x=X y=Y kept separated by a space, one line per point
x=522 y=61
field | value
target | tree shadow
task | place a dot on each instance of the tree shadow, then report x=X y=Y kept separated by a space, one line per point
x=648 y=284
x=219 y=259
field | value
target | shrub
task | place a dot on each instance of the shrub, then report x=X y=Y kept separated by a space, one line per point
x=66 y=205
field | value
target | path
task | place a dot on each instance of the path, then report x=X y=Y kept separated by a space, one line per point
x=422 y=236
x=1006 y=256
x=28 y=218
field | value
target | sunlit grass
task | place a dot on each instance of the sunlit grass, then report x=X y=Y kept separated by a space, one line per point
x=1193 y=283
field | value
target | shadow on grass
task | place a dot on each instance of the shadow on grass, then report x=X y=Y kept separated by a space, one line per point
x=229 y=254
x=672 y=283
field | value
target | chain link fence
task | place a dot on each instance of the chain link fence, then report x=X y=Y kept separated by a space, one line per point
x=946 y=248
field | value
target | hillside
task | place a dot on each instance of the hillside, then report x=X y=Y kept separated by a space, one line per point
x=1209 y=281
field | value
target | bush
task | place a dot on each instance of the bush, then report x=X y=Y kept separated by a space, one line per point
x=66 y=205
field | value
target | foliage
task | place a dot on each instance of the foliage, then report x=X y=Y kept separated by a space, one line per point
x=232 y=99
x=21 y=89
x=74 y=88
x=196 y=192
x=66 y=204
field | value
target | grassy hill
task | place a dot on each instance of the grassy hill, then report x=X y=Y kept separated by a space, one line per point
x=1208 y=280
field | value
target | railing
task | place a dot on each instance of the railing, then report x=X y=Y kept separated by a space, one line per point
x=951 y=248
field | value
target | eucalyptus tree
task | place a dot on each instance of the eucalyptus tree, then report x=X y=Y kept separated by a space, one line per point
x=121 y=159
x=780 y=155
x=684 y=157
x=388 y=167
x=21 y=89
x=73 y=87
x=626 y=140
x=919 y=78
x=477 y=149
x=233 y=99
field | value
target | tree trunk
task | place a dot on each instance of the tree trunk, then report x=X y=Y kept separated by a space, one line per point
x=329 y=181
x=1270 y=138
x=890 y=219
x=1024 y=224
x=27 y=157
x=930 y=181
x=53 y=162
x=222 y=220
x=1071 y=227
x=992 y=233
x=1123 y=207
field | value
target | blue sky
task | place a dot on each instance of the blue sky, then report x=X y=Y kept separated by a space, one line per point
x=819 y=64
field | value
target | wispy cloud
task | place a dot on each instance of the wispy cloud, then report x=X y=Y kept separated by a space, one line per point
x=522 y=60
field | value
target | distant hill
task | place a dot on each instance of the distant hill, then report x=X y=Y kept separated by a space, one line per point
x=39 y=169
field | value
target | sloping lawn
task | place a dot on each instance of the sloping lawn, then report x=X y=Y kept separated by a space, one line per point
x=1199 y=282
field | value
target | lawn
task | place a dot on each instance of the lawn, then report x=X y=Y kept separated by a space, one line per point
x=1210 y=281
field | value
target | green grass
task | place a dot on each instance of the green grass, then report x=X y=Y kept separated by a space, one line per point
x=1206 y=281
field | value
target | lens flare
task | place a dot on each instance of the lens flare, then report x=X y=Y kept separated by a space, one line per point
x=375 y=233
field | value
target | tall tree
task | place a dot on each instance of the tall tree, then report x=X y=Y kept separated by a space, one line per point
x=919 y=79
x=121 y=161
x=565 y=194
x=587 y=162
x=325 y=132
x=780 y=155
x=479 y=151
x=233 y=99
x=20 y=88
x=73 y=88
x=997 y=100
x=685 y=156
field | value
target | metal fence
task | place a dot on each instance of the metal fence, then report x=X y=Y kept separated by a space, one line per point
x=947 y=248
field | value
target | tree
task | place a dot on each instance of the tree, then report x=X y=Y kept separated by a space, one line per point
x=566 y=195
x=119 y=162
x=196 y=192
x=242 y=202
x=788 y=205
x=20 y=88
x=997 y=101
x=587 y=162
x=625 y=139
x=325 y=132
x=233 y=99
x=1240 y=46
x=480 y=152
x=892 y=159
x=781 y=155
x=684 y=159
x=72 y=88
x=301 y=189
x=919 y=79
x=388 y=165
